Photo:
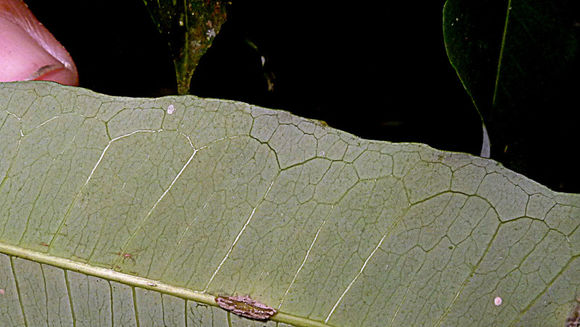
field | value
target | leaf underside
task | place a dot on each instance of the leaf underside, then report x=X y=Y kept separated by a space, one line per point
x=114 y=211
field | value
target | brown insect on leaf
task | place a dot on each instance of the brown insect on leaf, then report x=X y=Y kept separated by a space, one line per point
x=574 y=317
x=126 y=255
x=246 y=307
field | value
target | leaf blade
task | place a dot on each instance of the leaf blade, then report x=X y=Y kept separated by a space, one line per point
x=223 y=198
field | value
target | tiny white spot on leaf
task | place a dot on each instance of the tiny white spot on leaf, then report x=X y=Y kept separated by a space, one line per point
x=170 y=109
x=497 y=301
x=210 y=33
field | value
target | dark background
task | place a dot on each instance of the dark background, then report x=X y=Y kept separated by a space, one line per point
x=376 y=70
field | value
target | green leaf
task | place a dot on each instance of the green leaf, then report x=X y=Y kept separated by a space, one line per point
x=189 y=27
x=516 y=60
x=140 y=211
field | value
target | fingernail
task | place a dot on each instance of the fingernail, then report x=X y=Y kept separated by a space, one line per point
x=27 y=49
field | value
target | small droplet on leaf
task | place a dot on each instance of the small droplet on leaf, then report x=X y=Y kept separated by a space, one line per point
x=170 y=109
x=497 y=301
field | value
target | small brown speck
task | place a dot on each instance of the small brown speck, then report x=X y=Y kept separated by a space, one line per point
x=246 y=307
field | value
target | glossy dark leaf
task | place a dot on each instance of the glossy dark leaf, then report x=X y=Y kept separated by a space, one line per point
x=516 y=59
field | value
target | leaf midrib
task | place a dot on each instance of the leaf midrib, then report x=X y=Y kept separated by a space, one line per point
x=501 y=51
x=136 y=281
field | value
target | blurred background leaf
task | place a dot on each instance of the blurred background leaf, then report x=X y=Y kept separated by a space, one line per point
x=517 y=59
x=189 y=27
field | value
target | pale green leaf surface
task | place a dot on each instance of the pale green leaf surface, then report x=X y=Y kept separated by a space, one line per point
x=115 y=212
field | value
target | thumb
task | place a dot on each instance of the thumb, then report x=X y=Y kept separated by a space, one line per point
x=27 y=49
